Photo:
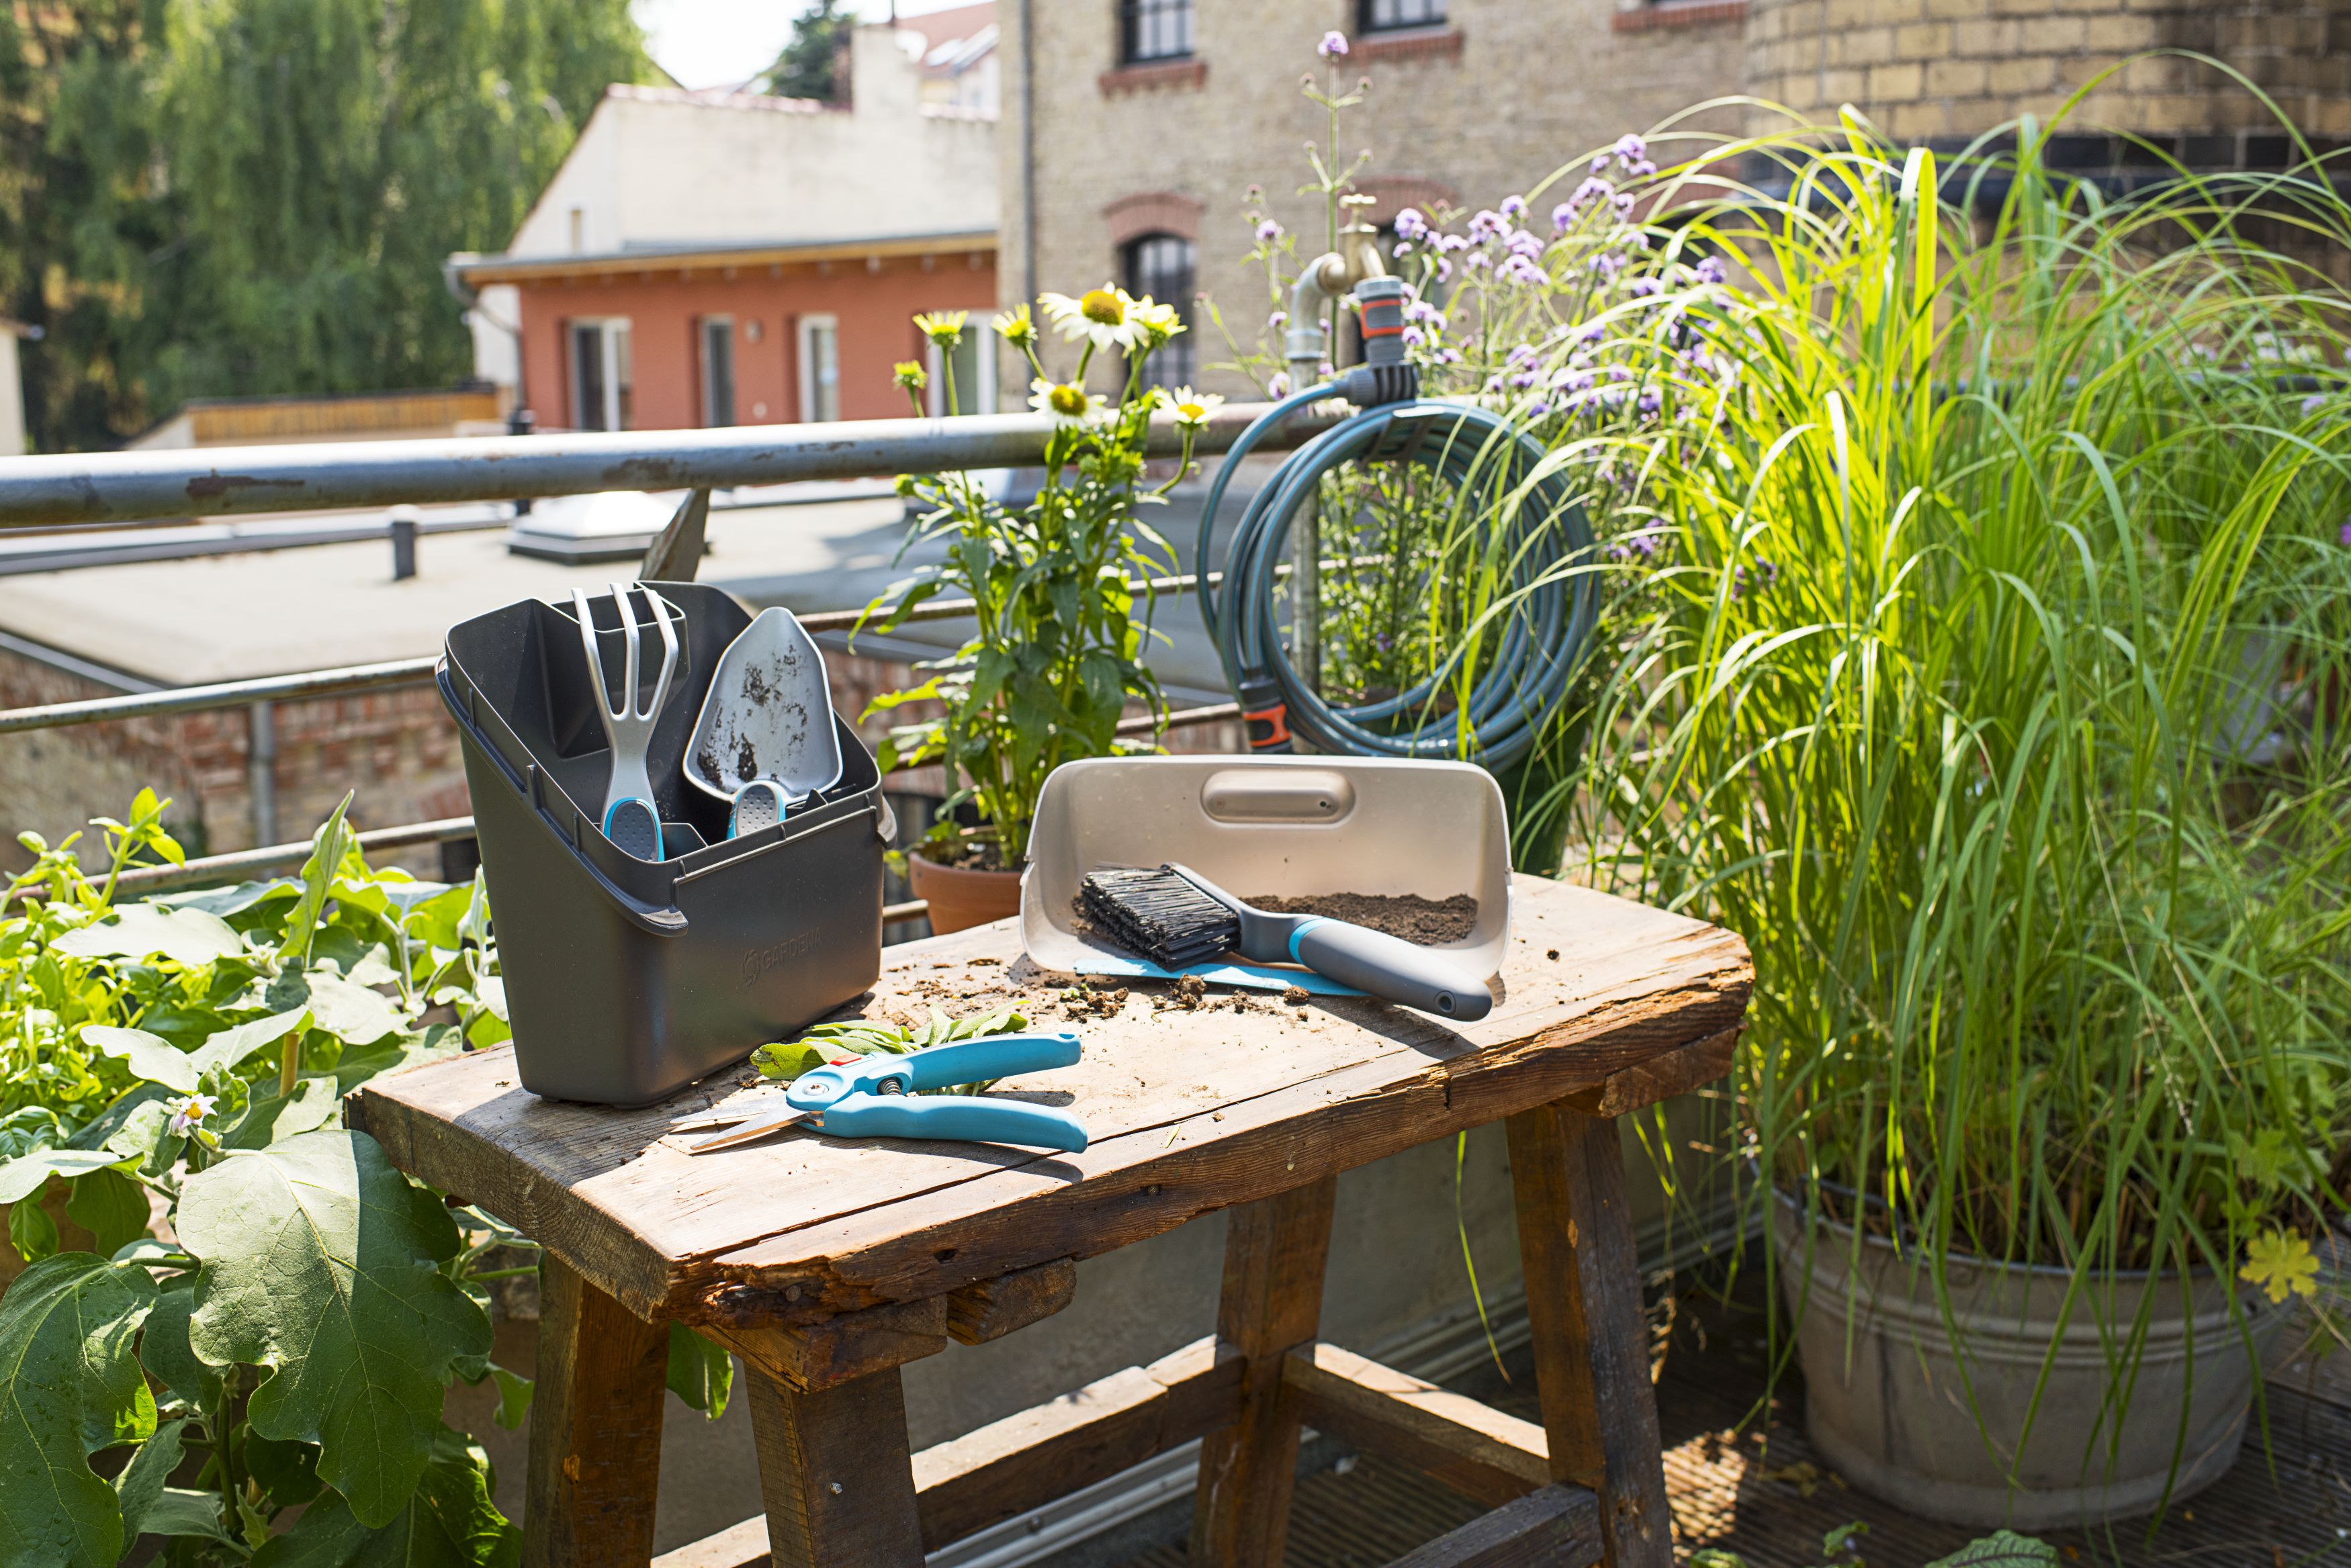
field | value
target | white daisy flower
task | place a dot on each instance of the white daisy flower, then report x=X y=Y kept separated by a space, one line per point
x=1066 y=401
x=1107 y=316
x=1193 y=410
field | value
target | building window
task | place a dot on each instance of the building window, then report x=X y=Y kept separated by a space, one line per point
x=1163 y=267
x=1385 y=16
x=820 y=368
x=1154 y=30
x=602 y=381
x=717 y=370
x=974 y=363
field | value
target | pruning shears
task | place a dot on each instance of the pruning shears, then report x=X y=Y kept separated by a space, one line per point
x=875 y=1096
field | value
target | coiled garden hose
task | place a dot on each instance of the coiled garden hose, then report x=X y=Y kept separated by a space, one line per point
x=1530 y=529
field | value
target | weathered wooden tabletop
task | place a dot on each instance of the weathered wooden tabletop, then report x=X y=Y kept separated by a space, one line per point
x=1189 y=1110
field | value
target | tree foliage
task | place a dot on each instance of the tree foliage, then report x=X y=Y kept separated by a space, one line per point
x=213 y=198
x=811 y=65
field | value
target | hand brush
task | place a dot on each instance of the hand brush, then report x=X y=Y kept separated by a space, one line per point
x=1176 y=918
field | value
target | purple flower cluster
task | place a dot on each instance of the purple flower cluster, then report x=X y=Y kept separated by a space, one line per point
x=1410 y=225
x=1631 y=154
x=1334 y=45
x=1709 y=270
x=1267 y=231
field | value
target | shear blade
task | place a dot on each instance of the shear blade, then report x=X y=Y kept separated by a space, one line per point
x=749 y=1131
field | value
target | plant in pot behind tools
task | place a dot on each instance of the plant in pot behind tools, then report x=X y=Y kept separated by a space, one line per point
x=1056 y=654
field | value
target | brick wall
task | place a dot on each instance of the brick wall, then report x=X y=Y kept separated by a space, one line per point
x=1927 y=69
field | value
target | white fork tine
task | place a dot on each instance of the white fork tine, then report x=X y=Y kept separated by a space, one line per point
x=629 y=632
x=662 y=610
x=595 y=656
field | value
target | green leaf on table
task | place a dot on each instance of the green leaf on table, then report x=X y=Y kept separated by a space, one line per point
x=164 y=1350
x=270 y=1117
x=321 y=1263
x=31 y=1231
x=449 y=1521
x=111 y=1206
x=141 y=1485
x=69 y=1387
x=189 y=936
x=2001 y=1549
x=699 y=1372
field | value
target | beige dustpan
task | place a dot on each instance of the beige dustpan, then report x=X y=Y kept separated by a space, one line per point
x=1284 y=827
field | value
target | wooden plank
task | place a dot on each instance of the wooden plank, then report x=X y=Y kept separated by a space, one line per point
x=994 y=1308
x=840 y=1349
x=595 y=1429
x=835 y=1473
x=1008 y=1467
x=1590 y=1331
x=804 y=1226
x=1275 y=1250
x=1557 y=1527
x=1477 y=1451
x=1027 y=1461
x=1695 y=1064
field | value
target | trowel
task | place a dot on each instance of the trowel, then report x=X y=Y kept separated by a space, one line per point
x=765 y=741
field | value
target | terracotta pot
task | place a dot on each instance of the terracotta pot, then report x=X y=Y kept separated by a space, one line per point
x=961 y=897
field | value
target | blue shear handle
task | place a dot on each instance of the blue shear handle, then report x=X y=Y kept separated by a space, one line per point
x=978 y=1060
x=956 y=1118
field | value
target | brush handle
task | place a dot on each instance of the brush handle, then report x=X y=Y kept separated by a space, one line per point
x=1391 y=968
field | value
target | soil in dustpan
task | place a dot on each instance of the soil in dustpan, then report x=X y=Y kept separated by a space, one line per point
x=1432 y=922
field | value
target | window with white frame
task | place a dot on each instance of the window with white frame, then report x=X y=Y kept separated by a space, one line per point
x=603 y=381
x=974 y=376
x=820 y=355
x=1153 y=30
x=717 y=370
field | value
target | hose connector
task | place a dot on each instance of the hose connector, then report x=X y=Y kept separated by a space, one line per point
x=1384 y=376
x=1265 y=715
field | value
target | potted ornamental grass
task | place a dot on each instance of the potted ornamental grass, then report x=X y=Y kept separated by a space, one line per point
x=1982 y=669
x=1060 y=592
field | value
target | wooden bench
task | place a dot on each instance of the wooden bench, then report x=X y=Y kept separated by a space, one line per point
x=826 y=1264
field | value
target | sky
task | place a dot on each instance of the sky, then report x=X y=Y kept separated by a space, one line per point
x=718 y=43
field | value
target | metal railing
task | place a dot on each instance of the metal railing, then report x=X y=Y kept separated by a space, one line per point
x=117 y=487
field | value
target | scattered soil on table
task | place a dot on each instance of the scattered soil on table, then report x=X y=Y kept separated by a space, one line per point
x=1298 y=996
x=1432 y=922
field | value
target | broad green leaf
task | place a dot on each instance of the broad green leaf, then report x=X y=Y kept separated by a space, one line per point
x=99 y=1134
x=321 y=1265
x=69 y=1387
x=226 y=901
x=191 y=937
x=357 y=1063
x=271 y=1118
x=449 y=1521
x=514 y=1398
x=28 y=1173
x=164 y=1350
x=111 y=1207
x=699 y=1372
x=31 y=1231
x=139 y=1486
x=327 y=848
x=230 y=1047
x=2001 y=1549
x=350 y=1012
x=159 y=1061
x=180 y=1511
x=287 y=1471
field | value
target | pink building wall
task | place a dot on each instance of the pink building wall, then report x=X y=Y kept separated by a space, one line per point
x=874 y=305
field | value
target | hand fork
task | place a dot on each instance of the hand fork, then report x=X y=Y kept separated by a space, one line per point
x=631 y=822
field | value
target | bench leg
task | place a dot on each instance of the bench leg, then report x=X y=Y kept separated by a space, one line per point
x=1272 y=1302
x=1591 y=1336
x=835 y=1473
x=595 y=1429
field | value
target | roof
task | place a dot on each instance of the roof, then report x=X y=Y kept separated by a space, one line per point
x=485 y=269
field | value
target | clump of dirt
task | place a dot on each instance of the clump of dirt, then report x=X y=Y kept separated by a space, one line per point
x=1432 y=922
x=1191 y=993
x=1081 y=1001
x=1298 y=996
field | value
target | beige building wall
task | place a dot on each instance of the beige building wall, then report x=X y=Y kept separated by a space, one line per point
x=1493 y=102
x=1934 y=69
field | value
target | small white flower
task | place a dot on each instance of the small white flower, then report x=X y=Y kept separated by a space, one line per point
x=1066 y=401
x=188 y=1110
x=1193 y=410
x=1109 y=317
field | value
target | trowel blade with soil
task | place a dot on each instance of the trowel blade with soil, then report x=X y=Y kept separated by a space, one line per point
x=765 y=740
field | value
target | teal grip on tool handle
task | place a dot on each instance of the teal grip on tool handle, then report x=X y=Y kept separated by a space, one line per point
x=956 y=1118
x=1391 y=968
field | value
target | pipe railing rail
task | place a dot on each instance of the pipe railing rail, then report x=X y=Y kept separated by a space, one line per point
x=220 y=482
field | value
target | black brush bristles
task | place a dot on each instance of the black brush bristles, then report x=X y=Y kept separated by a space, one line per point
x=1159 y=915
